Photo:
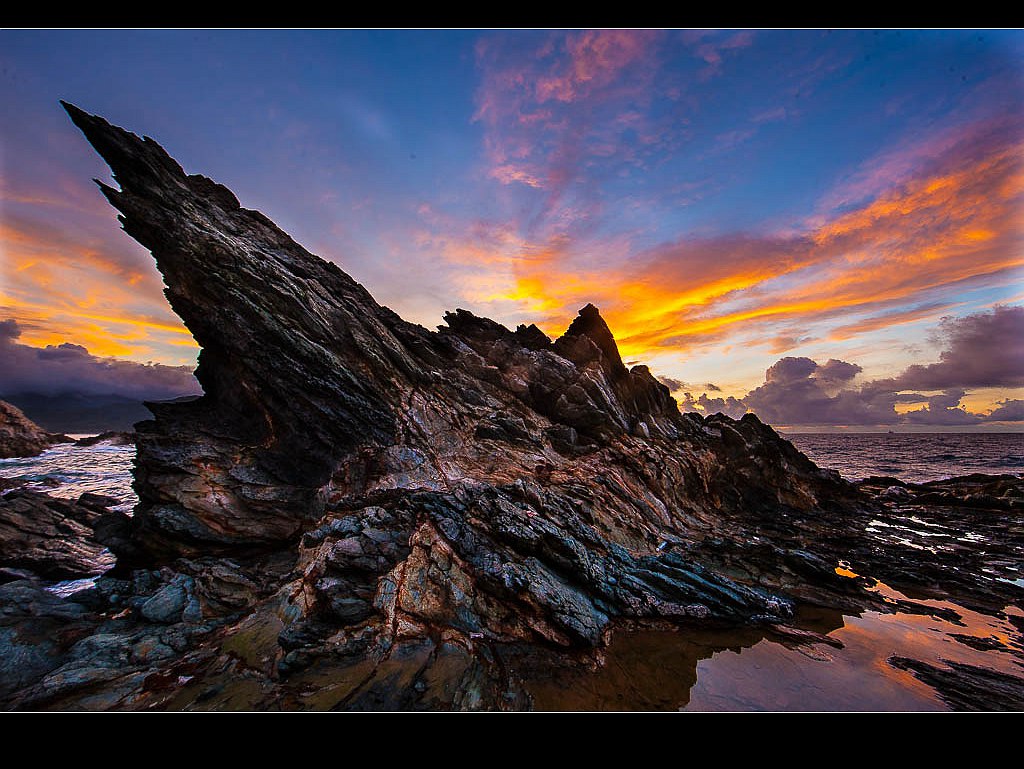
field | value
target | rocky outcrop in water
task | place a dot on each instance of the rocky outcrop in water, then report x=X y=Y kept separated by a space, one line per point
x=959 y=537
x=20 y=436
x=968 y=687
x=362 y=513
x=51 y=538
x=111 y=437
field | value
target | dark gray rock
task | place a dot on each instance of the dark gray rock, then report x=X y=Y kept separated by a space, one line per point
x=36 y=630
x=97 y=502
x=111 y=437
x=169 y=602
x=49 y=537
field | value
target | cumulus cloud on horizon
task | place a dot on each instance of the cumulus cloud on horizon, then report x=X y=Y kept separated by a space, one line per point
x=730 y=406
x=984 y=349
x=70 y=368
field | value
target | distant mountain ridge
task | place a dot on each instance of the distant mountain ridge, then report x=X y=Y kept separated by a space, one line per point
x=80 y=412
x=20 y=436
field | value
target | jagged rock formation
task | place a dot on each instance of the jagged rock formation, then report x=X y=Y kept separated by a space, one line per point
x=362 y=513
x=20 y=436
x=548 y=476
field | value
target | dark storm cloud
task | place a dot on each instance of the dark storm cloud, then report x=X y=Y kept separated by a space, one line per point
x=70 y=368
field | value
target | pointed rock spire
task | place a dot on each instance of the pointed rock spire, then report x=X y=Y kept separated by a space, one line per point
x=590 y=324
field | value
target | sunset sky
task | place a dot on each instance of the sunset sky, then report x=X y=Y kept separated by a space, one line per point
x=826 y=227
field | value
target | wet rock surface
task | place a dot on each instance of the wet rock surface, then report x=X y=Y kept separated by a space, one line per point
x=111 y=437
x=968 y=687
x=363 y=514
x=52 y=538
x=20 y=436
x=960 y=537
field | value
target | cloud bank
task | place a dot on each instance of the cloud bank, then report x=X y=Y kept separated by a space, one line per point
x=71 y=369
x=985 y=349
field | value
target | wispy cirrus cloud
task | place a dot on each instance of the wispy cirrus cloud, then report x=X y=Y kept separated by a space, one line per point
x=92 y=285
x=886 y=320
x=713 y=47
x=955 y=225
x=567 y=110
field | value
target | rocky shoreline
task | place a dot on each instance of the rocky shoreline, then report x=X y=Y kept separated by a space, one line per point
x=149 y=640
x=364 y=514
x=21 y=437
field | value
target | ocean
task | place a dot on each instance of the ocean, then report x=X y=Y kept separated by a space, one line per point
x=913 y=457
x=68 y=471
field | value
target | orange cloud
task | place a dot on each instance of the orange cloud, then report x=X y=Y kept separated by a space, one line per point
x=509 y=173
x=957 y=225
x=105 y=294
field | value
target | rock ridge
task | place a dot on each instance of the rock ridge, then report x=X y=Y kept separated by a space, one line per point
x=362 y=513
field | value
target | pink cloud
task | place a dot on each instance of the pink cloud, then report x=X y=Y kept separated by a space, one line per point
x=713 y=49
x=596 y=58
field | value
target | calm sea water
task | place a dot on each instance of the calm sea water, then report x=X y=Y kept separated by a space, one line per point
x=914 y=457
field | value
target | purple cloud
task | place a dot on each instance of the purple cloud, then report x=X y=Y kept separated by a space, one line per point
x=983 y=350
x=673 y=384
x=1007 y=411
x=943 y=410
x=732 y=407
x=70 y=368
x=789 y=371
x=837 y=371
x=797 y=391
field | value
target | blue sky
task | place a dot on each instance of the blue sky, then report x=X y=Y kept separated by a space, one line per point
x=729 y=198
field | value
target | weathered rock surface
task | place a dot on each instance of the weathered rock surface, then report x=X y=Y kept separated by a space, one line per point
x=968 y=687
x=111 y=437
x=560 y=487
x=362 y=513
x=20 y=436
x=51 y=537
